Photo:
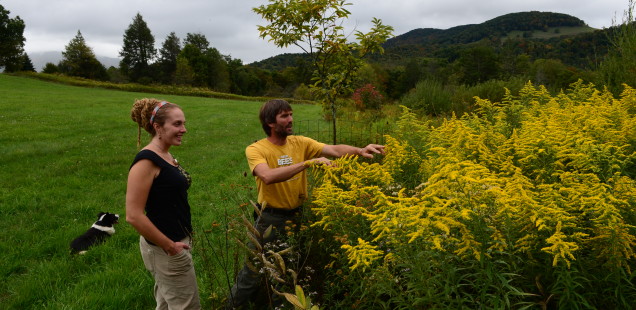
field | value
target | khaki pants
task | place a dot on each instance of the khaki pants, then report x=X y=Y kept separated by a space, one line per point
x=175 y=280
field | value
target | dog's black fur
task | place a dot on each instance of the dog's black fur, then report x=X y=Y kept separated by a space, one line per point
x=104 y=227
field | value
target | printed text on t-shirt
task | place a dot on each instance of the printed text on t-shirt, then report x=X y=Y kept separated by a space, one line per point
x=285 y=160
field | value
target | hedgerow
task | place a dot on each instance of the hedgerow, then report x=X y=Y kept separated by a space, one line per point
x=157 y=89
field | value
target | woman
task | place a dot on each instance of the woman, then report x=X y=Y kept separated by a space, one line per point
x=157 y=205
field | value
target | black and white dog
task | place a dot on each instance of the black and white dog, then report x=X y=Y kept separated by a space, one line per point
x=104 y=227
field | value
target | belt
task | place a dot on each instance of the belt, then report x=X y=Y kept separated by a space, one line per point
x=280 y=211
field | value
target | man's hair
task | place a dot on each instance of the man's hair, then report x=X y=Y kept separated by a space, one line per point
x=269 y=110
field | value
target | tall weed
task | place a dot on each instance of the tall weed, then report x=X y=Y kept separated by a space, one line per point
x=523 y=203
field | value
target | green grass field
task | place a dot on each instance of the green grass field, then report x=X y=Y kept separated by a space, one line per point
x=65 y=156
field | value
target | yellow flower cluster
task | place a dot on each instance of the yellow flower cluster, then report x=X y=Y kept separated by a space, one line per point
x=535 y=175
x=362 y=255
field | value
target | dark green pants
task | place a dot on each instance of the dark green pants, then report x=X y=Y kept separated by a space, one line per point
x=249 y=283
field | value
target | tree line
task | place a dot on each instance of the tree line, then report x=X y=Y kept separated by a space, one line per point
x=192 y=61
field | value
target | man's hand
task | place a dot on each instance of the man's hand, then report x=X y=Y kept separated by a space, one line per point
x=320 y=161
x=371 y=149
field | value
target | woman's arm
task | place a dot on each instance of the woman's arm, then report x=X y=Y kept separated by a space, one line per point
x=140 y=180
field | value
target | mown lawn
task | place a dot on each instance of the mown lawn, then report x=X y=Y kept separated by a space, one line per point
x=65 y=156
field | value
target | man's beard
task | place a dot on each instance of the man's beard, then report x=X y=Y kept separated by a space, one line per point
x=283 y=132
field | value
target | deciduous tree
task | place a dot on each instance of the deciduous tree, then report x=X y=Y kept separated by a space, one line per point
x=208 y=65
x=316 y=27
x=183 y=75
x=478 y=64
x=11 y=41
x=618 y=67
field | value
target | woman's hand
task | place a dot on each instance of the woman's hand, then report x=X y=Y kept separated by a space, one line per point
x=176 y=248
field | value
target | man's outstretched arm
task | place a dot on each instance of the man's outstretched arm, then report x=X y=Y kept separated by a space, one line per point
x=340 y=150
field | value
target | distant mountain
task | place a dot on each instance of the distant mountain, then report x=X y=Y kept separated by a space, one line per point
x=497 y=27
x=40 y=59
x=431 y=42
x=279 y=62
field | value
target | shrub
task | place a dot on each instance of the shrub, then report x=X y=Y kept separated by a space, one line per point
x=50 y=68
x=430 y=97
x=304 y=92
x=367 y=97
x=493 y=90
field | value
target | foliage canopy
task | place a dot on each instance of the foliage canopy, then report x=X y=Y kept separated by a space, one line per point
x=316 y=27
x=11 y=41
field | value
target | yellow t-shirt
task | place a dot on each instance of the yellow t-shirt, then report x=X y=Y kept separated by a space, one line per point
x=293 y=192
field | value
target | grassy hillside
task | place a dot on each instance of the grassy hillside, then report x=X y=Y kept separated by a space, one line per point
x=66 y=154
x=549 y=33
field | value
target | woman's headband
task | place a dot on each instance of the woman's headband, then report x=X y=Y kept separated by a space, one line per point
x=154 y=112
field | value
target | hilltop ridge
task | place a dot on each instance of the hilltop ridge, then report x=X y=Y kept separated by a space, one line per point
x=426 y=42
x=496 y=27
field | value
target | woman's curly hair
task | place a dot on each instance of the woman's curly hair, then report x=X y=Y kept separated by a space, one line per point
x=142 y=112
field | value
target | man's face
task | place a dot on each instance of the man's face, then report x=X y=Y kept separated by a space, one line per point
x=283 y=125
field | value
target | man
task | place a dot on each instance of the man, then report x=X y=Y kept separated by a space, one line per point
x=278 y=163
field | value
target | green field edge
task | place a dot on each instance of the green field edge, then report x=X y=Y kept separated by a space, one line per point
x=158 y=89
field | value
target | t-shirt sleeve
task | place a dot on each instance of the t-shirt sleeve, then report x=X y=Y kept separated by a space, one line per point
x=314 y=148
x=254 y=157
x=149 y=155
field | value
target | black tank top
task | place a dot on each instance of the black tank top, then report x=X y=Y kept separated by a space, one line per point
x=167 y=205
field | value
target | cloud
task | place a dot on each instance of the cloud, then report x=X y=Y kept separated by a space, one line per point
x=230 y=26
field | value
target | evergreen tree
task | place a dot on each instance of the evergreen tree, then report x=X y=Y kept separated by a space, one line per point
x=79 y=60
x=11 y=41
x=27 y=64
x=168 y=54
x=138 y=50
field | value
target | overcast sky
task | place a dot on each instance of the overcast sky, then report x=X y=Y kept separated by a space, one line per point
x=230 y=25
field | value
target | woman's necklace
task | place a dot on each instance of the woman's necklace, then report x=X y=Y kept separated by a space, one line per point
x=165 y=153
